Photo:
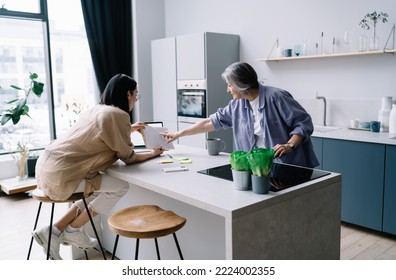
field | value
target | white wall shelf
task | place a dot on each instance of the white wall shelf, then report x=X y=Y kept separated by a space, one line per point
x=270 y=59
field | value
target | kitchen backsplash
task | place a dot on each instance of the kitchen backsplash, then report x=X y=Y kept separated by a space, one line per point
x=340 y=112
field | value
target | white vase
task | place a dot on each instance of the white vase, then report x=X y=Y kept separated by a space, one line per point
x=362 y=43
x=392 y=120
x=20 y=159
x=384 y=113
x=374 y=43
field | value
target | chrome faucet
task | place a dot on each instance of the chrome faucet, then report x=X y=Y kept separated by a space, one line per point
x=324 y=110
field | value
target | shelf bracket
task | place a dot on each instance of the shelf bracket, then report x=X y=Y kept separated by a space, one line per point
x=276 y=44
x=391 y=34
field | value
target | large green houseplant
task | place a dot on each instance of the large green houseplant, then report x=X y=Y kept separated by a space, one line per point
x=17 y=108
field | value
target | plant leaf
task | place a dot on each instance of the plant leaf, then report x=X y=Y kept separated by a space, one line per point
x=16 y=87
x=38 y=88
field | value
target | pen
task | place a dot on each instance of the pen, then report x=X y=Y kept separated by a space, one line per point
x=170 y=156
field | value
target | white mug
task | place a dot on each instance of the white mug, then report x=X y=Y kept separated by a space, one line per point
x=215 y=146
x=354 y=123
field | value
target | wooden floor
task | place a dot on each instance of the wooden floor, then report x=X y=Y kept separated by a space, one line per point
x=17 y=214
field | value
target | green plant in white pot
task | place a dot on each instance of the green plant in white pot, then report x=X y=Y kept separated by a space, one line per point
x=17 y=108
x=260 y=162
x=240 y=170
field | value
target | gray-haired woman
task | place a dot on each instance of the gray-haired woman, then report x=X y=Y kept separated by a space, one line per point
x=260 y=116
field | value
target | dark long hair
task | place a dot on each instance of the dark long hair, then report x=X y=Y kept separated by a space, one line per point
x=116 y=91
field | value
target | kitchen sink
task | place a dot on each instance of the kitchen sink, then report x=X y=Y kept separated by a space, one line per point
x=322 y=128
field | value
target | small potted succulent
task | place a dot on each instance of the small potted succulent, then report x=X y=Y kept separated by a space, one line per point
x=260 y=162
x=241 y=174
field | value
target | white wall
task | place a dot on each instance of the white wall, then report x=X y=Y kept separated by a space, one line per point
x=353 y=86
x=148 y=24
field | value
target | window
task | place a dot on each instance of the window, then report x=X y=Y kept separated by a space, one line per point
x=24 y=47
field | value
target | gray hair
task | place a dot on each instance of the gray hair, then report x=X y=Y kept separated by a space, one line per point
x=241 y=76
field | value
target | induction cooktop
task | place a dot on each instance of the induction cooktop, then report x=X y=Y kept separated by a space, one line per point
x=282 y=176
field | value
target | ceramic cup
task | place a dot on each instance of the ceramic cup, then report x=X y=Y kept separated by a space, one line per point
x=375 y=126
x=287 y=52
x=215 y=146
x=365 y=125
x=354 y=123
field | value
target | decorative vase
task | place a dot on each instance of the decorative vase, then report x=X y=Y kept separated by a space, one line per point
x=20 y=159
x=373 y=43
x=261 y=184
x=384 y=113
x=242 y=180
x=362 y=43
x=392 y=120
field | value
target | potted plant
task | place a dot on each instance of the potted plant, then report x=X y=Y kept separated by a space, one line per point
x=19 y=108
x=371 y=19
x=260 y=162
x=240 y=169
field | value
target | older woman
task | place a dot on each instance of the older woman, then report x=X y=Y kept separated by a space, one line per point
x=260 y=116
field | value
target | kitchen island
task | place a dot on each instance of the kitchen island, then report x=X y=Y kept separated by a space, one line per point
x=300 y=222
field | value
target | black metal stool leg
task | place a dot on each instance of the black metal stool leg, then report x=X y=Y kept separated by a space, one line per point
x=94 y=228
x=178 y=246
x=86 y=255
x=115 y=246
x=34 y=228
x=137 y=248
x=157 y=248
x=50 y=230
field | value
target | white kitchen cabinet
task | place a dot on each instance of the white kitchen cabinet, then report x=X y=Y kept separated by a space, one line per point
x=163 y=59
x=198 y=140
x=200 y=56
x=190 y=57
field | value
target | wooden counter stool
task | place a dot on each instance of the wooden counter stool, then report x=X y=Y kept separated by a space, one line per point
x=41 y=197
x=145 y=221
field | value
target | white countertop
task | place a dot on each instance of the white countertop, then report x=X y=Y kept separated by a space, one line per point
x=206 y=192
x=345 y=133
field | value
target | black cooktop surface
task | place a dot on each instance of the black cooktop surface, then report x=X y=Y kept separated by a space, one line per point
x=282 y=176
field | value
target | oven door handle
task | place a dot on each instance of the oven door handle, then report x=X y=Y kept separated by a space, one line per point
x=195 y=93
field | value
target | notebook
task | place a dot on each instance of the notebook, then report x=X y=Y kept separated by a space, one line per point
x=138 y=140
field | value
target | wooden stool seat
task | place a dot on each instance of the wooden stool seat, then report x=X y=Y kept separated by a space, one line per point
x=145 y=221
x=39 y=195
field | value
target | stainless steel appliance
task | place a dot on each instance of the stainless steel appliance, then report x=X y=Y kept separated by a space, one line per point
x=191 y=99
x=191 y=108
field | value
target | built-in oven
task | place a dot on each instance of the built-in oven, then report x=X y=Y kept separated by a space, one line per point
x=191 y=108
x=191 y=99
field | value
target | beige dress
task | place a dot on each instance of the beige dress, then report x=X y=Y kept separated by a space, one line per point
x=99 y=138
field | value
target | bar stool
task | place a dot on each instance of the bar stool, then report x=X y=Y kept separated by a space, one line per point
x=145 y=221
x=38 y=195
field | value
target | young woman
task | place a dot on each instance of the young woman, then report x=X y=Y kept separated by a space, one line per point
x=76 y=162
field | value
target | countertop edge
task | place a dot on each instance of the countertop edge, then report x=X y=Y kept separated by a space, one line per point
x=345 y=133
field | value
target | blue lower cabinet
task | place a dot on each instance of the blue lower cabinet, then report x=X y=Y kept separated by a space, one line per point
x=361 y=166
x=389 y=220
